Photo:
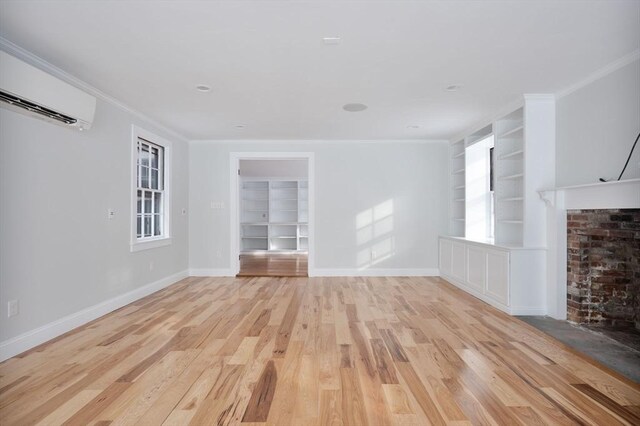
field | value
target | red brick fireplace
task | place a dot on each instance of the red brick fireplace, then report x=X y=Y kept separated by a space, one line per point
x=603 y=267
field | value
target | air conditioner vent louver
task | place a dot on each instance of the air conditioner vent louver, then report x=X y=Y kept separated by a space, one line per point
x=34 y=92
x=31 y=107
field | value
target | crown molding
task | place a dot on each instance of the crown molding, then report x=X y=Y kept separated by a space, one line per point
x=488 y=119
x=317 y=141
x=602 y=72
x=40 y=63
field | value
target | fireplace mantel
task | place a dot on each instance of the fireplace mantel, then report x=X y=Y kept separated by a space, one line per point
x=623 y=194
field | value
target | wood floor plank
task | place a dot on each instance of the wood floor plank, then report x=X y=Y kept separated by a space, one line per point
x=620 y=411
x=330 y=408
x=262 y=396
x=417 y=388
x=353 y=409
x=310 y=351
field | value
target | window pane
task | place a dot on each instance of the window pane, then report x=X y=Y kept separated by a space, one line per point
x=157 y=203
x=154 y=158
x=147 y=225
x=147 y=202
x=144 y=155
x=139 y=208
x=145 y=177
x=154 y=179
x=157 y=225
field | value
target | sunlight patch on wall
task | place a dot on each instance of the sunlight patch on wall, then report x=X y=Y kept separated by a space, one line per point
x=374 y=234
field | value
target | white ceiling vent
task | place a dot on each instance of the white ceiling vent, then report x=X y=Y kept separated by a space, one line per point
x=27 y=89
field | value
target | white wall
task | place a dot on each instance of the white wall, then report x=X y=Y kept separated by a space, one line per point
x=293 y=169
x=59 y=252
x=596 y=126
x=401 y=186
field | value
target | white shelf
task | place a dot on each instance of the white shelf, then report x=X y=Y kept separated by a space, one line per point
x=273 y=215
x=512 y=132
x=517 y=153
x=521 y=136
x=511 y=177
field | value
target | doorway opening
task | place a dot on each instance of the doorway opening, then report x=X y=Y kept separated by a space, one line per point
x=271 y=230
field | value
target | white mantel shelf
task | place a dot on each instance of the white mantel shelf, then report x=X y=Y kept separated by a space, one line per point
x=623 y=194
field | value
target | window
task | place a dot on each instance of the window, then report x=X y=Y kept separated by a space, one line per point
x=150 y=191
x=479 y=196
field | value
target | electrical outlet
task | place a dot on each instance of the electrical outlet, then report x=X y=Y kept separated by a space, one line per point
x=12 y=308
x=151 y=265
x=184 y=212
x=111 y=213
x=217 y=205
x=373 y=254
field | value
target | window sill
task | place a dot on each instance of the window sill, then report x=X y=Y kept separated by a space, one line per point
x=150 y=244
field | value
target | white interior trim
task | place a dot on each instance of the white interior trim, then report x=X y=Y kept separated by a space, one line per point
x=622 y=194
x=220 y=272
x=234 y=202
x=513 y=310
x=375 y=272
x=602 y=72
x=33 y=338
x=316 y=141
x=135 y=244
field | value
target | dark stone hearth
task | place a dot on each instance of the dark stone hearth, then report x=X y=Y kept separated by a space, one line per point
x=603 y=267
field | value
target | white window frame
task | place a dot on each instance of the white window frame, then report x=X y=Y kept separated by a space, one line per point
x=138 y=244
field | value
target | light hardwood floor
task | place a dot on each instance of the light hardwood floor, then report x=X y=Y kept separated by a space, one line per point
x=273 y=265
x=300 y=351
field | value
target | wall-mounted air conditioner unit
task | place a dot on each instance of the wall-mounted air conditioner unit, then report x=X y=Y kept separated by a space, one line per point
x=29 y=90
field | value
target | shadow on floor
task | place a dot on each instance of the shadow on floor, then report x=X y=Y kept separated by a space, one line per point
x=621 y=357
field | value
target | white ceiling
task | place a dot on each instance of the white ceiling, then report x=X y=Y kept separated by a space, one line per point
x=271 y=72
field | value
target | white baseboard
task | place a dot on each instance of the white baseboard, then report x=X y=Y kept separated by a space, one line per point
x=331 y=272
x=515 y=310
x=354 y=272
x=33 y=338
x=211 y=273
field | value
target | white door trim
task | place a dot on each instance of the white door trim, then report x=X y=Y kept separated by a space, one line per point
x=234 y=201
